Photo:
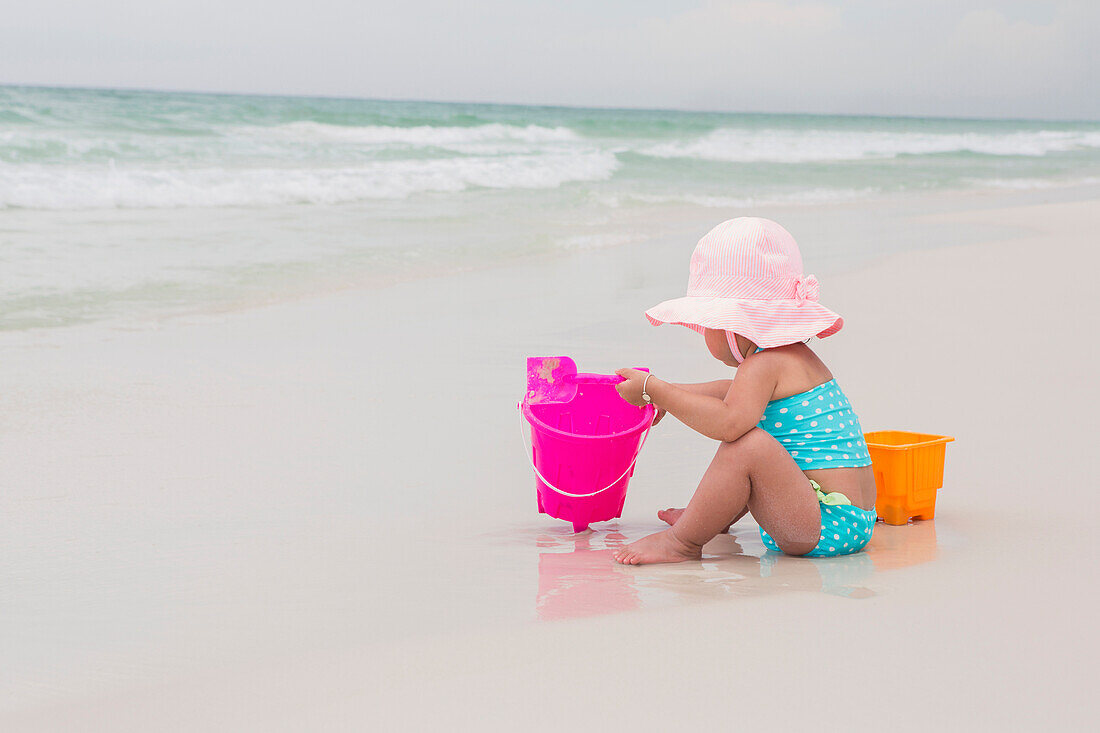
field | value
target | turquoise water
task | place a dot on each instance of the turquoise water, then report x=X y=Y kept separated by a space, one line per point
x=82 y=149
x=123 y=201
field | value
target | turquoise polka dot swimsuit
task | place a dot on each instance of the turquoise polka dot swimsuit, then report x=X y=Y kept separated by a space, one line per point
x=820 y=430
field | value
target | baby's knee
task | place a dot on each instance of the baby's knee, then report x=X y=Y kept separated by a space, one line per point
x=751 y=442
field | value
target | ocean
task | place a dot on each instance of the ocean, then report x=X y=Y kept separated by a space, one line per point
x=130 y=204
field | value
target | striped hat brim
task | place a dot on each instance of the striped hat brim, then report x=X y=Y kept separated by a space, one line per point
x=767 y=323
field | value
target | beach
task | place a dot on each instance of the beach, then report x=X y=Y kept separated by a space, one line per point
x=316 y=513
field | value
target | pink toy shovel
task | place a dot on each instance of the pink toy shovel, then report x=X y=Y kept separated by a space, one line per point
x=585 y=440
x=555 y=379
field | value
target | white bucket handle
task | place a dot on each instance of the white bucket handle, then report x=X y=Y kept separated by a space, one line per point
x=531 y=458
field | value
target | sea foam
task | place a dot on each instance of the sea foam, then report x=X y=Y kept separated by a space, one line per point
x=52 y=187
x=747 y=145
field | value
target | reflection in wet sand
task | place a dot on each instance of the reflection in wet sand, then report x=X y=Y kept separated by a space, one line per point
x=899 y=547
x=584 y=582
x=578 y=577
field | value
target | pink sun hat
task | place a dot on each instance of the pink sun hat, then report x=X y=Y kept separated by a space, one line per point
x=746 y=277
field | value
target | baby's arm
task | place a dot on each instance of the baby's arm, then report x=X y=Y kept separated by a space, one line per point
x=724 y=418
x=718 y=388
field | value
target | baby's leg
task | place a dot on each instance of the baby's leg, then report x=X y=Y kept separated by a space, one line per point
x=753 y=472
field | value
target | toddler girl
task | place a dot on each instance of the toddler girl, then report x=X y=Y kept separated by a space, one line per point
x=792 y=450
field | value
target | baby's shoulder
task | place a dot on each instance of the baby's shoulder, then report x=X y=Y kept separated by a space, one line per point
x=793 y=369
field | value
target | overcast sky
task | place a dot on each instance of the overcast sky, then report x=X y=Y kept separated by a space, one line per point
x=1015 y=58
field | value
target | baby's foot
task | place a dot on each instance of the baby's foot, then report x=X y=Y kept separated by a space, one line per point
x=659 y=547
x=669 y=517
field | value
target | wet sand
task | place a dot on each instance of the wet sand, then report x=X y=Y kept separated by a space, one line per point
x=317 y=515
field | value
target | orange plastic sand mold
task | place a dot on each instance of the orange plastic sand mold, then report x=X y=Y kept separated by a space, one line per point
x=908 y=471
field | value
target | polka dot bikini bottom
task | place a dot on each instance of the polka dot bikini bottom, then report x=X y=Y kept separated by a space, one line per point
x=844 y=529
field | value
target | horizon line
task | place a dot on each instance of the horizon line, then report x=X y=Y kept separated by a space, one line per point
x=543 y=105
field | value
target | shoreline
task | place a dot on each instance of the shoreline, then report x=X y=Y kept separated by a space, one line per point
x=688 y=222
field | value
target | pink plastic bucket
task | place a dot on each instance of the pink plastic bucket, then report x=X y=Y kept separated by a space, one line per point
x=583 y=451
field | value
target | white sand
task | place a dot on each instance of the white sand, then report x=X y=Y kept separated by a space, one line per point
x=318 y=516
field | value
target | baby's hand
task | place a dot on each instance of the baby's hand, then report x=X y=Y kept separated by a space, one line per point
x=631 y=388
